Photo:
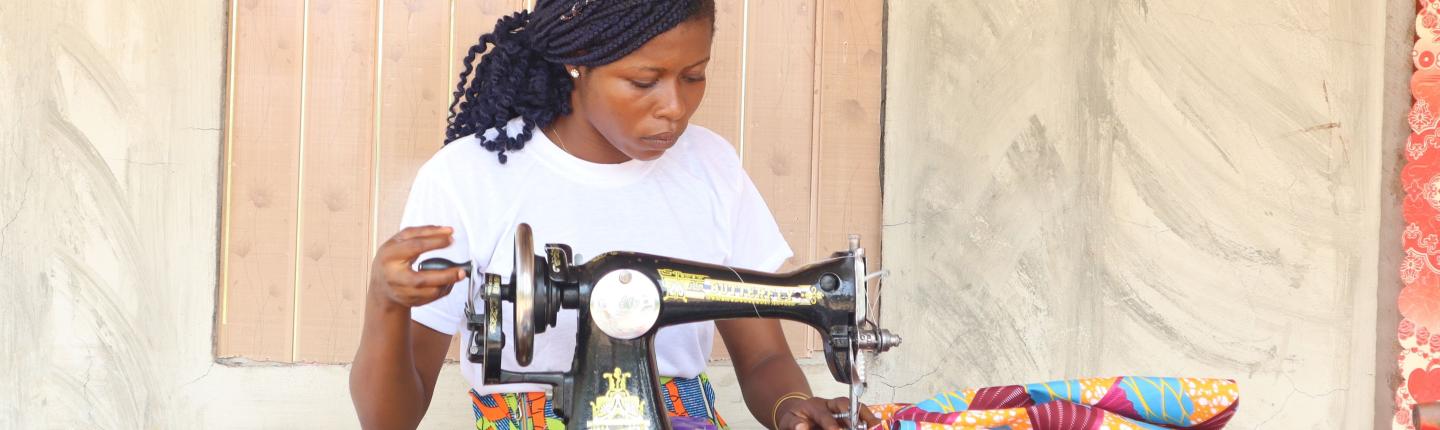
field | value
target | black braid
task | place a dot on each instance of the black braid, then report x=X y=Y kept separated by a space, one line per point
x=522 y=74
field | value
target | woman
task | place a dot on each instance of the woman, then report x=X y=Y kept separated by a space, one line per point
x=576 y=121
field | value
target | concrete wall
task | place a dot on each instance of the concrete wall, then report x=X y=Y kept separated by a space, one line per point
x=1395 y=130
x=1079 y=189
x=109 y=177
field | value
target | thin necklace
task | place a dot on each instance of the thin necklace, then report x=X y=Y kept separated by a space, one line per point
x=556 y=132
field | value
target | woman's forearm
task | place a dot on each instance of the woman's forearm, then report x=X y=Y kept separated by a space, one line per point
x=387 y=389
x=398 y=360
x=767 y=381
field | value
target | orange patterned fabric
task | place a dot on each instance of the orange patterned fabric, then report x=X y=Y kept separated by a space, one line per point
x=689 y=402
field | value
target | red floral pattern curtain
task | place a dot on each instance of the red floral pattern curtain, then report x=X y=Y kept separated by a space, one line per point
x=1419 y=302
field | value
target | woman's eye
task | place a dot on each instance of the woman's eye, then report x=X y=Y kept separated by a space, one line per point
x=700 y=78
x=643 y=84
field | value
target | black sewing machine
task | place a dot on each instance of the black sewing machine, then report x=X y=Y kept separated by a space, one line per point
x=624 y=298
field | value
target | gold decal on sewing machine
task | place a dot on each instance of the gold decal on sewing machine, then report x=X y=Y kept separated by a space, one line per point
x=556 y=259
x=492 y=308
x=683 y=287
x=618 y=408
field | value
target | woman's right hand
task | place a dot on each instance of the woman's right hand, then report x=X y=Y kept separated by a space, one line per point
x=395 y=283
x=393 y=376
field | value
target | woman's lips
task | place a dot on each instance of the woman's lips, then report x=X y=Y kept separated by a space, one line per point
x=661 y=140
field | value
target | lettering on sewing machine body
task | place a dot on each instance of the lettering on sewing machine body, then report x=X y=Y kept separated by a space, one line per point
x=683 y=287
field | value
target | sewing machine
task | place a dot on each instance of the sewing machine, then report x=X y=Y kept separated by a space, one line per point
x=624 y=298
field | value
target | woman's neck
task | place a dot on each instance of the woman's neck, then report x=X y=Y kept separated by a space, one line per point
x=577 y=137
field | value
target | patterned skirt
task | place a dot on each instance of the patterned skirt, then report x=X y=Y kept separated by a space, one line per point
x=686 y=399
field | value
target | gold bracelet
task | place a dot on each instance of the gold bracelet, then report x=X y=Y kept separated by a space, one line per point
x=774 y=412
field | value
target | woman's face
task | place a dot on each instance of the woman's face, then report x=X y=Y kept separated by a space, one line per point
x=642 y=102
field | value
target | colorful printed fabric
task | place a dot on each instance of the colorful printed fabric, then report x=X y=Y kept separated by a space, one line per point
x=689 y=401
x=1419 y=301
x=1142 y=403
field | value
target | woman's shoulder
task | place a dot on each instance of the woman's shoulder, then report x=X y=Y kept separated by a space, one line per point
x=465 y=151
x=465 y=167
x=466 y=156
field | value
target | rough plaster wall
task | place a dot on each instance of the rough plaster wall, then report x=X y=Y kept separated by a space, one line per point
x=1399 y=41
x=109 y=172
x=1079 y=189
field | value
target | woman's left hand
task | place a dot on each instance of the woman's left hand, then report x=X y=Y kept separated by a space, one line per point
x=817 y=413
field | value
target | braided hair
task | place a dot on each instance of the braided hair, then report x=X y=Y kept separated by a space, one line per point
x=521 y=82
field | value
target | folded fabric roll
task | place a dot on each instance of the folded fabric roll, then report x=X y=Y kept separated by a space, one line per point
x=691 y=423
x=1128 y=402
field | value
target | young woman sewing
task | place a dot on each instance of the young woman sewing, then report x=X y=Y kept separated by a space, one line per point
x=576 y=121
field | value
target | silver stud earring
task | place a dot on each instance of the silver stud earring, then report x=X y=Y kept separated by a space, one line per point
x=575 y=73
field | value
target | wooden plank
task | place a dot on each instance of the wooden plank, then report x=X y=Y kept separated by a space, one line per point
x=779 y=108
x=412 y=102
x=472 y=19
x=413 y=99
x=848 y=140
x=778 y=113
x=720 y=111
x=335 y=198
x=258 y=275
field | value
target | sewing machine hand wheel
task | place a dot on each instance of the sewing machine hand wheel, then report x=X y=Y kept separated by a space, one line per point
x=523 y=279
x=487 y=337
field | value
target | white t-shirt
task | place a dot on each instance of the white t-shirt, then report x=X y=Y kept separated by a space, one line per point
x=695 y=202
